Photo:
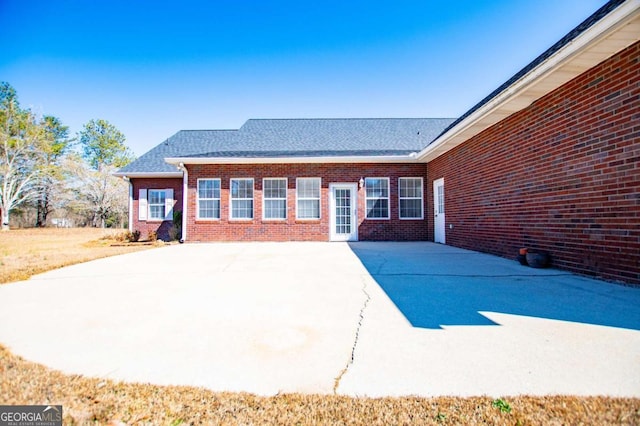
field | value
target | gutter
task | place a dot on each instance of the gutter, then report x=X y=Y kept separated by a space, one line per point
x=130 y=224
x=185 y=198
x=133 y=175
x=410 y=158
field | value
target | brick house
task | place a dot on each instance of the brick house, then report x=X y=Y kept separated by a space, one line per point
x=550 y=160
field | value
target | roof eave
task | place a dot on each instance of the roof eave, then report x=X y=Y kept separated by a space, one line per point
x=410 y=158
x=614 y=32
x=148 y=174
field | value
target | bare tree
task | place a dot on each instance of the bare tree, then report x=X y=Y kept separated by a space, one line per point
x=20 y=136
x=55 y=145
x=96 y=194
x=104 y=149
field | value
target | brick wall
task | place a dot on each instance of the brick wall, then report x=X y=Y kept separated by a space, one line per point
x=293 y=229
x=562 y=175
x=161 y=227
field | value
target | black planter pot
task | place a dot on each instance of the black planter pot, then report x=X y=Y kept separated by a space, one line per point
x=538 y=259
x=522 y=258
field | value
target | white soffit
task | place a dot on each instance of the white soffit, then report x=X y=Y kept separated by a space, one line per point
x=613 y=33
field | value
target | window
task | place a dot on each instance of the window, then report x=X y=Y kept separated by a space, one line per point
x=377 y=197
x=157 y=200
x=208 y=198
x=241 y=198
x=274 y=195
x=410 y=195
x=308 y=198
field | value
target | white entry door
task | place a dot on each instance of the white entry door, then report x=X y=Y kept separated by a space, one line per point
x=438 y=211
x=343 y=211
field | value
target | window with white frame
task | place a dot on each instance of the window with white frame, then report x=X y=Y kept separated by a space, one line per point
x=157 y=202
x=241 y=199
x=274 y=198
x=377 y=198
x=410 y=195
x=308 y=198
x=208 y=198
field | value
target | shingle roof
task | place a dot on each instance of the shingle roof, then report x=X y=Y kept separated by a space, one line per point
x=296 y=138
x=585 y=25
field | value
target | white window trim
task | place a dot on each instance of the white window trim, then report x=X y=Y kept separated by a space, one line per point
x=155 y=219
x=388 y=198
x=412 y=198
x=214 y=219
x=319 y=200
x=286 y=196
x=253 y=199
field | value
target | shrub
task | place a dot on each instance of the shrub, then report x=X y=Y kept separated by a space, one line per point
x=153 y=236
x=175 y=232
x=133 y=236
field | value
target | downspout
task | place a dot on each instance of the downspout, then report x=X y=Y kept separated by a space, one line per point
x=185 y=198
x=130 y=203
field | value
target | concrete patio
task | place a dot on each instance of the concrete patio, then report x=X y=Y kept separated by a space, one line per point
x=371 y=319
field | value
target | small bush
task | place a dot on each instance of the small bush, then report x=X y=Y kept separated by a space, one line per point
x=175 y=233
x=133 y=237
x=153 y=236
x=501 y=405
x=120 y=237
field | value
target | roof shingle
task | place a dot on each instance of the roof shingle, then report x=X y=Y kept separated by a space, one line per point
x=296 y=138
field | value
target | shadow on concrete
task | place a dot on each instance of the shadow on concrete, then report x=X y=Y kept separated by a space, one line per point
x=435 y=285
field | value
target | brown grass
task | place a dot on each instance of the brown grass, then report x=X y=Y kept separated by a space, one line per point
x=25 y=252
x=96 y=401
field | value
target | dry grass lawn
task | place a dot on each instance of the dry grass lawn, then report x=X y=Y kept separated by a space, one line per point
x=97 y=401
x=94 y=401
x=26 y=252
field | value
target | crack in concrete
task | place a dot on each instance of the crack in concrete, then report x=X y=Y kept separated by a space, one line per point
x=338 y=379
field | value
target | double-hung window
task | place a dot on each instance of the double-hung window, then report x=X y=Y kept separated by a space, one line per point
x=410 y=196
x=241 y=199
x=157 y=200
x=377 y=198
x=308 y=198
x=274 y=198
x=208 y=198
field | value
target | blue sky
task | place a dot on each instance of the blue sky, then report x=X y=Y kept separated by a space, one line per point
x=153 y=68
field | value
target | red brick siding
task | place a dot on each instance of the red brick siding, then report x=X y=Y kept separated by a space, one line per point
x=562 y=175
x=293 y=229
x=161 y=227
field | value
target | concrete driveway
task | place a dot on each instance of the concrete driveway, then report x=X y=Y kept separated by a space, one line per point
x=359 y=319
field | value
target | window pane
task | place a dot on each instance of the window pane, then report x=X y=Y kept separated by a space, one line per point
x=275 y=209
x=275 y=188
x=377 y=208
x=156 y=212
x=156 y=197
x=377 y=187
x=242 y=209
x=309 y=209
x=209 y=188
x=411 y=188
x=308 y=188
x=411 y=208
x=241 y=188
x=209 y=209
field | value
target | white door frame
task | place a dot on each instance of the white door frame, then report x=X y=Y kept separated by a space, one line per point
x=353 y=236
x=439 y=227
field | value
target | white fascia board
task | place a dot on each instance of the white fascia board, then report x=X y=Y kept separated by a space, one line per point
x=411 y=158
x=149 y=174
x=607 y=25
